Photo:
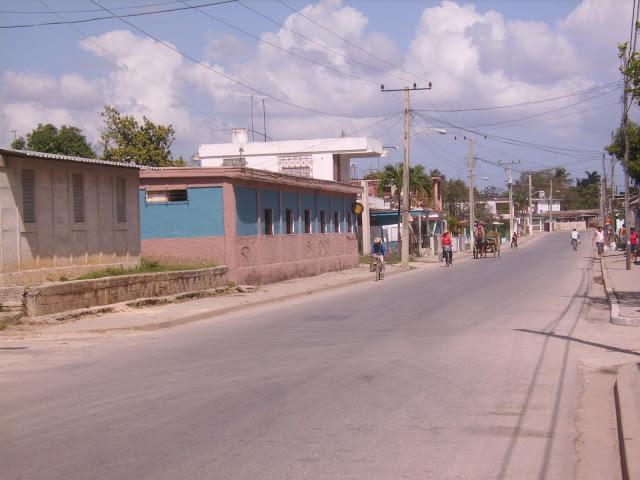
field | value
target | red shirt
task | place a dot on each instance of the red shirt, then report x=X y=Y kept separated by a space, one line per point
x=633 y=238
x=446 y=240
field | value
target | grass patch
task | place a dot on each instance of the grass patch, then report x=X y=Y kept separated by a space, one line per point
x=146 y=266
x=3 y=326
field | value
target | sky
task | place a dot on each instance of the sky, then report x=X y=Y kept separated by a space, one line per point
x=533 y=82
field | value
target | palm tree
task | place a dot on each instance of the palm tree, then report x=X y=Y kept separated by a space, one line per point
x=391 y=176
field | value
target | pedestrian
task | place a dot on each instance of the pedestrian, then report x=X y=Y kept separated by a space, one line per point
x=633 y=240
x=598 y=239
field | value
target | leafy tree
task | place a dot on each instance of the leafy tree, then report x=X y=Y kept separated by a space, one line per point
x=124 y=139
x=593 y=178
x=454 y=194
x=49 y=139
x=617 y=149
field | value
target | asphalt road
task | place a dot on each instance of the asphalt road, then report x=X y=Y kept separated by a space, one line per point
x=434 y=374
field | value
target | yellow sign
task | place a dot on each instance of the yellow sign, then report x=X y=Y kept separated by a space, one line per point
x=357 y=208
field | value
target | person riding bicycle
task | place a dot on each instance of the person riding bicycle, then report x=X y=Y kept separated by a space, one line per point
x=378 y=249
x=575 y=238
x=514 y=240
x=446 y=245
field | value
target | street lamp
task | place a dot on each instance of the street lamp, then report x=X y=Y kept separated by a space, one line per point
x=441 y=131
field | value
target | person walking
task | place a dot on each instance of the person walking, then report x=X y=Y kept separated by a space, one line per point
x=633 y=240
x=598 y=239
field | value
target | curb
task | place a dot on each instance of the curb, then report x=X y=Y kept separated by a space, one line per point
x=215 y=312
x=614 y=310
x=627 y=399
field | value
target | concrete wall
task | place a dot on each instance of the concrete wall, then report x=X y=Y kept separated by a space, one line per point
x=55 y=243
x=63 y=296
x=252 y=256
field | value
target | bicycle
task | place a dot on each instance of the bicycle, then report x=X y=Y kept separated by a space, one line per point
x=574 y=244
x=447 y=254
x=378 y=267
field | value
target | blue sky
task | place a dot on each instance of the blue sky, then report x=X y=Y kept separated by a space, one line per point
x=478 y=54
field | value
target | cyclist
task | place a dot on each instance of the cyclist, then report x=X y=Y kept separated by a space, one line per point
x=378 y=249
x=633 y=240
x=514 y=240
x=575 y=239
x=446 y=246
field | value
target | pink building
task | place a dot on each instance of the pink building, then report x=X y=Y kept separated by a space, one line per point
x=265 y=226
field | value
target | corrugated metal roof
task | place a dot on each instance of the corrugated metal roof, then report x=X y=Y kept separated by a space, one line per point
x=66 y=158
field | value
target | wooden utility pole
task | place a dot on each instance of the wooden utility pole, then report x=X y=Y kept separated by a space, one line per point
x=510 y=185
x=551 y=205
x=406 y=204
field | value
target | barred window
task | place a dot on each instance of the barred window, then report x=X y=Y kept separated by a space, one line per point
x=290 y=217
x=268 y=221
x=349 y=223
x=29 y=196
x=323 y=222
x=307 y=221
x=121 y=199
x=336 y=222
x=77 y=185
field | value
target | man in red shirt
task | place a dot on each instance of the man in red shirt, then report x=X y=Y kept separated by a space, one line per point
x=446 y=246
x=633 y=240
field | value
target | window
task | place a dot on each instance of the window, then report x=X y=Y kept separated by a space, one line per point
x=29 y=196
x=121 y=199
x=289 y=215
x=77 y=186
x=167 y=196
x=336 y=222
x=307 y=221
x=349 y=223
x=268 y=221
x=323 y=222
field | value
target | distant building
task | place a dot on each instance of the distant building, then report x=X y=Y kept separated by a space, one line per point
x=322 y=158
x=64 y=215
x=265 y=226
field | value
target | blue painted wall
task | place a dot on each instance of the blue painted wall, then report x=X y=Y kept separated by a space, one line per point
x=323 y=203
x=271 y=199
x=308 y=202
x=246 y=211
x=338 y=206
x=290 y=201
x=201 y=216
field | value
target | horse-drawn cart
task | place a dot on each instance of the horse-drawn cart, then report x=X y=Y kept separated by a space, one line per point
x=489 y=243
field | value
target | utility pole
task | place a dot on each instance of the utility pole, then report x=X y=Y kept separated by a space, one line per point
x=551 y=205
x=406 y=204
x=264 y=121
x=472 y=206
x=253 y=135
x=603 y=194
x=530 y=207
x=510 y=184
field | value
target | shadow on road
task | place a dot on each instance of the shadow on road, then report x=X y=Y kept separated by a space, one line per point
x=609 y=348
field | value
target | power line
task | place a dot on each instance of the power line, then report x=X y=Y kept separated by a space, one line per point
x=113 y=15
x=278 y=47
x=222 y=74
x=129 y=68
x=321 y=45
x=92 y=10
x=522 y=104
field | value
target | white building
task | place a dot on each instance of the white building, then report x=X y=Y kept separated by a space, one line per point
x=322 y=158
x=541 y=204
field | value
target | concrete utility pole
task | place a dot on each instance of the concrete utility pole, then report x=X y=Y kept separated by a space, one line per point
x=530 y=207
x=472 y=209
x=264 y=120
x=605 y=197
x=406 y=204
x=551 y=205
x=510 y=184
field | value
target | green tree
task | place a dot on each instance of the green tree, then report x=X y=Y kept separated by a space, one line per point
x=47 y=138
x=455 y=194
x=391 y=176
x=123 y=139
x=617 y=149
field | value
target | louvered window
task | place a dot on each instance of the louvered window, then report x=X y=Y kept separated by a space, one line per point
x=121 y=199
x=29 y=196
x=77 y=182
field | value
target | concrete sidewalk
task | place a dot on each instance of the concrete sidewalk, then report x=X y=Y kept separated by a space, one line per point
x=623 y=288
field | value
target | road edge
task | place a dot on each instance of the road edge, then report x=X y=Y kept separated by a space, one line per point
x=626 y=389
x=614 y=307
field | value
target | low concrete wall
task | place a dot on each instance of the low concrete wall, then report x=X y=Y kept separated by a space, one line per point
x=59 y=297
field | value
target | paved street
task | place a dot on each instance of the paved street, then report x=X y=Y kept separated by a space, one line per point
x=437 y=373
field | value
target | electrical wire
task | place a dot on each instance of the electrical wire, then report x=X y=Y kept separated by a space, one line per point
x=94 y=19
x=93 y=10
x=224 y=75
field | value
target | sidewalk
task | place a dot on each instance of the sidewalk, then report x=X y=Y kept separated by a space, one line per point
x=622 y=287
